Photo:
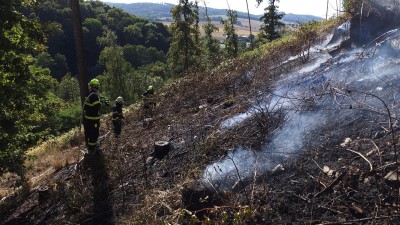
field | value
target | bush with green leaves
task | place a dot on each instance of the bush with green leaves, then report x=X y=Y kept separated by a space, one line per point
x=23 y=87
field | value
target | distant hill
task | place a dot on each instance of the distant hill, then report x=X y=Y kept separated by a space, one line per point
x=161 y=12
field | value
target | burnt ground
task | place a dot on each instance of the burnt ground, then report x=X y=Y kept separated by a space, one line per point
x=336 y=182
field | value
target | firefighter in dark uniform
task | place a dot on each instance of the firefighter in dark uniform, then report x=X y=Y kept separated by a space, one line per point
x=149 y=101
x=91 y=120
x=117 y=115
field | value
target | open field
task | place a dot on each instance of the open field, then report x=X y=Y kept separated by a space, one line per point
x=241 y=30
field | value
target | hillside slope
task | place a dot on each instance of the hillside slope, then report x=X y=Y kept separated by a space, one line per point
x=278 y=136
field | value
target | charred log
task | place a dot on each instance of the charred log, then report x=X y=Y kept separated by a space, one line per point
x=43 y=194
x=196 y=196
x=161 y=149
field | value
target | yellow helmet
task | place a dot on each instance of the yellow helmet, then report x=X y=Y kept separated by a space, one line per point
x=94 y=83
x=150 y=88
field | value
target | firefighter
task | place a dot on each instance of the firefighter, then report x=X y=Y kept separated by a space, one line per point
x=117 y=116
x=149 y=101
x=91 y=119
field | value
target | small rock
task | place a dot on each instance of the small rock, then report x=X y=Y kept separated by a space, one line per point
x=203 y=106
x=150 y=160
x=346 y=142
x=326 y=169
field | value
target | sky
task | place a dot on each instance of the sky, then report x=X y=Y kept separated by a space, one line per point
x=306 y=7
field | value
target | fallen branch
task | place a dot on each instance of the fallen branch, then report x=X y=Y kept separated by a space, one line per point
x=317 y=165
x=330 y=209
x=378 y=150
x=362 y=156
x=336 y=181
x=384 y=166
x=298 y=196
x=316 y=180
x=179 y=154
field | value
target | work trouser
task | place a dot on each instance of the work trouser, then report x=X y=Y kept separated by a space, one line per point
x=117 y=123
x=91 y=133
x=149 y=106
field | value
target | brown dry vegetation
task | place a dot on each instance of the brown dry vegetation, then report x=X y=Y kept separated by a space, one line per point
x=123 y=186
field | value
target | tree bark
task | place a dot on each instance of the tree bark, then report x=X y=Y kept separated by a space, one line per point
x=80 y=54
x=251 y=35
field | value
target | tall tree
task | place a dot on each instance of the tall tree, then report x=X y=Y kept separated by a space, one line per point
x=80 y=53
x=251 y=33
x=271 y=20
x=117 y=68
x=196 y=28
x=231 y=42
x=183 y=52
x=68 y=88
x=23 y=86
x=210 y=43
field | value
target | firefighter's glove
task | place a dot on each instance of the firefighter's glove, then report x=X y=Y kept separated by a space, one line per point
x=104 y=101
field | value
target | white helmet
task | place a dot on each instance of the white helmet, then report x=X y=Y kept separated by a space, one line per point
x=119 y=100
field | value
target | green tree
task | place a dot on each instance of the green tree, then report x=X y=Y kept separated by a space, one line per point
x=68 y=89
x=211 y=45
x=57 y=65
x=306 y=37
x=44 y=60
x=231 y=42
x=133 y=33
x=271 y=20
x=139 y=55
x=196 y=28
x=23 y=88
x=117 y=68
x=56 y=15
x=59 y=68
x=184 y=51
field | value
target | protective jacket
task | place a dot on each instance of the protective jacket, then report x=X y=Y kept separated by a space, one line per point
x=92 y=105
x=149 y=99
x=117 y=118
x=117 y=112
x=91 y=120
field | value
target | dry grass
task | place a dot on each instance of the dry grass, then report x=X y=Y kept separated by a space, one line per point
x=45 y=159
x=53 y=155
x=159 y=207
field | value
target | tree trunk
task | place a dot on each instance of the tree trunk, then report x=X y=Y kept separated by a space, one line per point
x=80 y=54
x=251 y=35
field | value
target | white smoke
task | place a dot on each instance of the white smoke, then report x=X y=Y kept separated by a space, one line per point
x=334 y=87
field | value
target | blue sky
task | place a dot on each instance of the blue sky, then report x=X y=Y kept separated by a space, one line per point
x=309 y=7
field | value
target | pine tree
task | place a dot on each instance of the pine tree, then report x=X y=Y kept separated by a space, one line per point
x=211 y=44
x=231 y=43
x=271 y=20
x=184 y=50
